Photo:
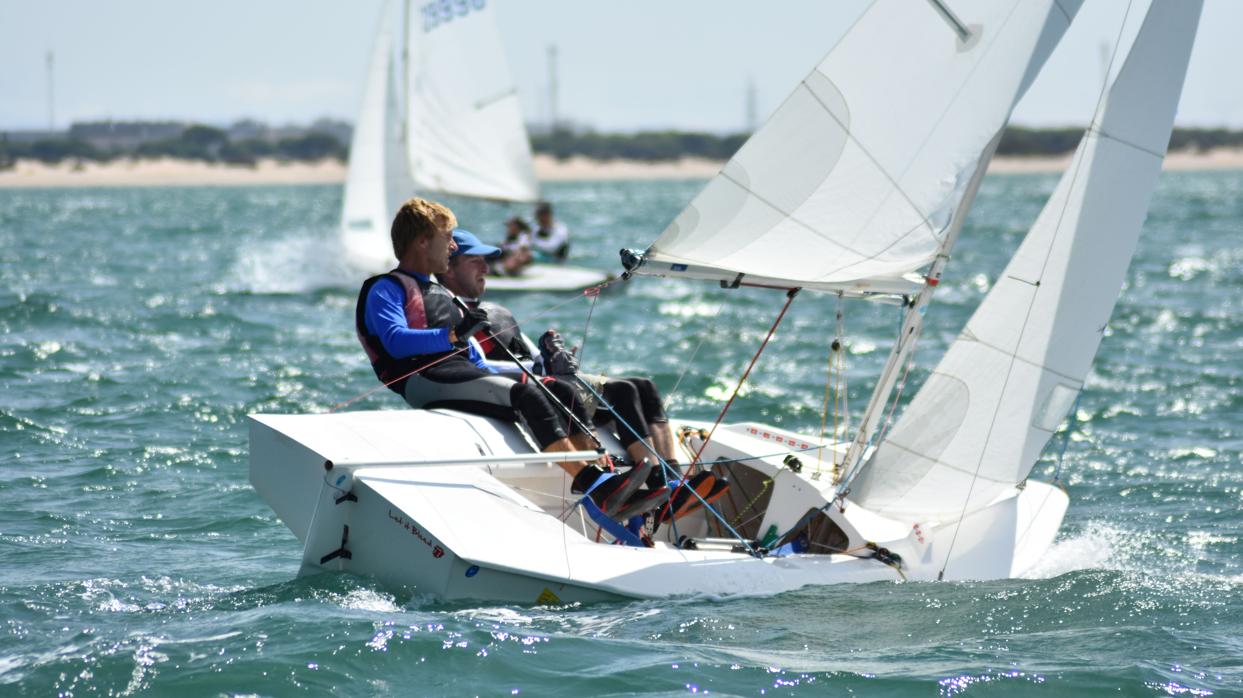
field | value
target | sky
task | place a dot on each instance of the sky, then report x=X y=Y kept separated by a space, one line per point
x=622 y=66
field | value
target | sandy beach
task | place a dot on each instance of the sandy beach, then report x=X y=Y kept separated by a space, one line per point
x=167 y=172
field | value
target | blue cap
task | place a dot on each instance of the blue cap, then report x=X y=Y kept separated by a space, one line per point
x=467 y=243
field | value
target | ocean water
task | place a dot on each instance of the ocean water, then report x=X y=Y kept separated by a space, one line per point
x=139 y=327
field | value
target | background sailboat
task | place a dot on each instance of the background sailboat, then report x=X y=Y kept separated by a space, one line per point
x=379 y=173
x=440 y=115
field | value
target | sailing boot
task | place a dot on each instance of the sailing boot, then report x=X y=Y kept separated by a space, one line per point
x=707 y=485
x=610 y=491
x=642 y=502
x=661 y=476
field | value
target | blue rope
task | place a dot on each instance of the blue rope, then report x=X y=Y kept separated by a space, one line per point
x=668 y=469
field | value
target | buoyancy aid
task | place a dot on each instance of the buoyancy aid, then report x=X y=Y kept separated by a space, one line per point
x=504 y=331
x=426 y=306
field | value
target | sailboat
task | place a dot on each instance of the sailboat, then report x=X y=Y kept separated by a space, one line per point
x=440 y=115
x=458 y=506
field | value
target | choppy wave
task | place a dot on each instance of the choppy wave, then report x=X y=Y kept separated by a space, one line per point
x=139 y=327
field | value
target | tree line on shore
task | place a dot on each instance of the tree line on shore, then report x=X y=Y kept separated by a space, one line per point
x=205 y=143
x=196 y=142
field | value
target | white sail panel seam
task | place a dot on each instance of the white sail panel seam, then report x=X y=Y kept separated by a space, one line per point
x=494 y=99
x=925 y=224
x=1122 y=141
x=986 y=50
x=1016 y=357
x=790 y=217
x=938 y=461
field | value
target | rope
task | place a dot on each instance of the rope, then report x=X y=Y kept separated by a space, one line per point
x=593 y=291
x=668 y=468
x=789 y=299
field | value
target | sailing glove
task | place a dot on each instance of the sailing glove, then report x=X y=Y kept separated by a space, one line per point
x=557 y=361
x=473 y=322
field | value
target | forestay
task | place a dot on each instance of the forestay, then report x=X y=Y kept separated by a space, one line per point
x=858 y=173
x=378 y=177
x=979 y=423
x=466 y=133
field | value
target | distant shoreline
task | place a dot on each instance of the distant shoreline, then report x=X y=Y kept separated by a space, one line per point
x=169 y=172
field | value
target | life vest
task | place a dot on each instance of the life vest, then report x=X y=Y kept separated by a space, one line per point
x=424 y=309
x=505 y=331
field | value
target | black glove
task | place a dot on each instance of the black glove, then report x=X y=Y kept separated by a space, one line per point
x=557 y=361
x=473 y=322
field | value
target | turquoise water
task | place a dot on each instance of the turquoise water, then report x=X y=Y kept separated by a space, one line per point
x=139 y=327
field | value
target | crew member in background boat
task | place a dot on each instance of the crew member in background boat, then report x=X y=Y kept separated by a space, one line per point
x=516 y=250
x=551 y=239
x=419 y=345
x=635 y=399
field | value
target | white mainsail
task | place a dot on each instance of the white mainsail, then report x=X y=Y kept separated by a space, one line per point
x=465 y=129
x=858 y=174
x=981 y=420
x=379 y=176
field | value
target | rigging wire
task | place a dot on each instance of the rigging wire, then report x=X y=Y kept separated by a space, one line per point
x=1070 y=427
x=691 y=361
x=595 y=297
x=835 y=383
x=789 y=299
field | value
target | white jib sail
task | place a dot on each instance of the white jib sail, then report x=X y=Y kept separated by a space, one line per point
x=379 y=178
x=466 y=133
x=858 y=173
x=980 y=421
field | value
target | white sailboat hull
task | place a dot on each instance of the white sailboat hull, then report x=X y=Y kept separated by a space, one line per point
x=510 y=532
x=549 y=278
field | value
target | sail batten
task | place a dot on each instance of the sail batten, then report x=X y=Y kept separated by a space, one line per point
x=982 y=418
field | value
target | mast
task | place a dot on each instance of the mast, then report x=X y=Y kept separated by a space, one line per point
x=552 y=88
x=912 y=325
x=51 y=96
x=405 y=76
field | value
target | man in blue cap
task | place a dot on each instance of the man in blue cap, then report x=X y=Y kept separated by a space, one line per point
x=418 y=342
x=635 y=399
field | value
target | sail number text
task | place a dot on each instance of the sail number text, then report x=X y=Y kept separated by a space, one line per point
x=440 y=12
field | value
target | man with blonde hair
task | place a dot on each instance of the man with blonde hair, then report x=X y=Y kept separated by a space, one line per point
x=419 y=345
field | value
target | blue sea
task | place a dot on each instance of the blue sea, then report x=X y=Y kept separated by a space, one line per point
x=139 y=327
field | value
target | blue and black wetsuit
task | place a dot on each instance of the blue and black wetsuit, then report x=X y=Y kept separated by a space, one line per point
x=403 y=320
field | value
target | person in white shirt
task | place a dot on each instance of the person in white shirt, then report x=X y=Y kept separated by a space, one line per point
x=516 y=250
x=551 y=239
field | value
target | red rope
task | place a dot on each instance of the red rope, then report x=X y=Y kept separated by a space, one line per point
x=790 y=293
x=789 y=299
